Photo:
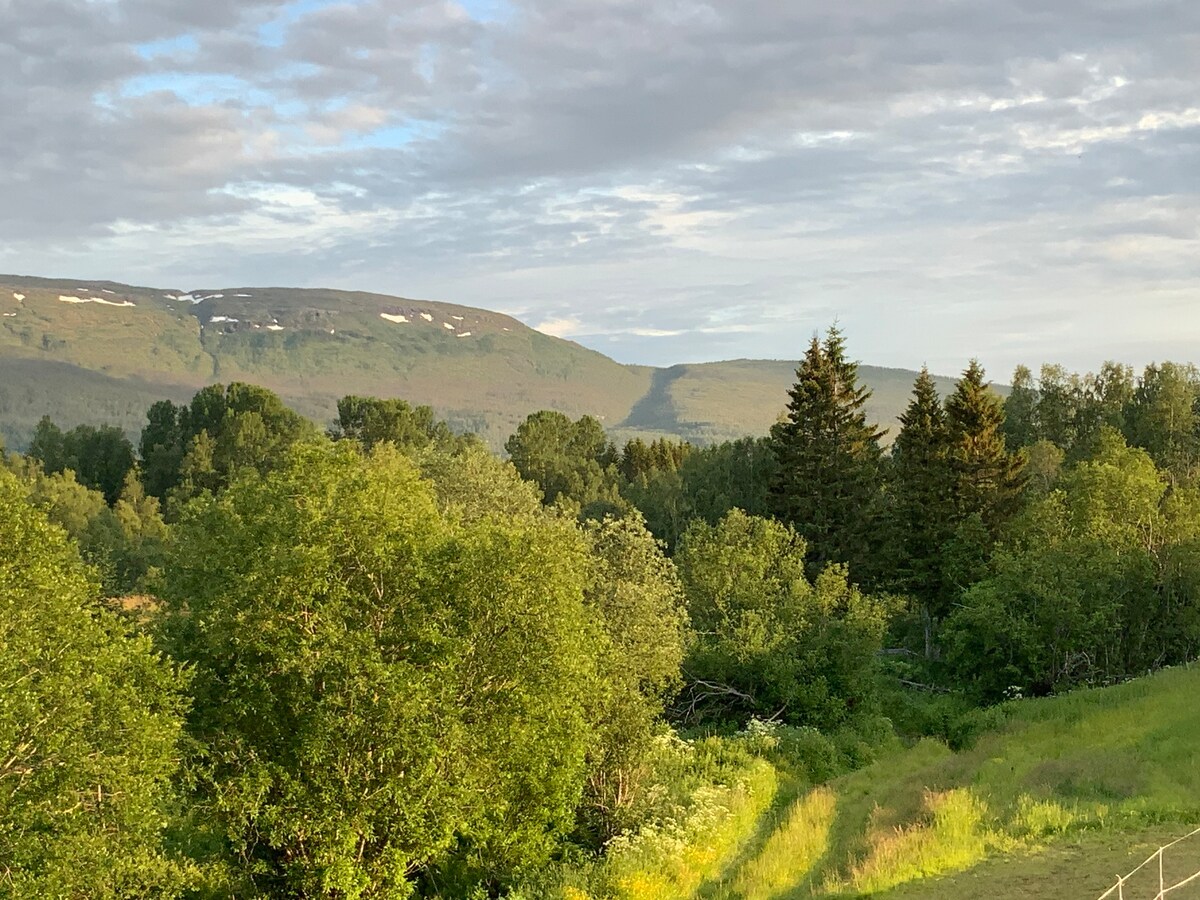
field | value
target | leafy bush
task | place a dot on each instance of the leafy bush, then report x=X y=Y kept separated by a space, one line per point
x=770 y=642
x=381 y=689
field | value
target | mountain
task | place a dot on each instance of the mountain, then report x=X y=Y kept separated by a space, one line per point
x=100 y=351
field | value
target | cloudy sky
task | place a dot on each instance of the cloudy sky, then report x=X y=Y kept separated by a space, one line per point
x=663 y=180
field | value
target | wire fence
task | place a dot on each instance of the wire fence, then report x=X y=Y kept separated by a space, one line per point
x=1161 y=872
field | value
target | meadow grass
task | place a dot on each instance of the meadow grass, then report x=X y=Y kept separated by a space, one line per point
x=1081 y=780
x=950 y=835
x=671 y=859
x=714 y=796
x=1076 y=867
x=791 y=851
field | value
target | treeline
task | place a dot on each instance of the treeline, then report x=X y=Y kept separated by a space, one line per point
x=248 y=658
x=1032 y=544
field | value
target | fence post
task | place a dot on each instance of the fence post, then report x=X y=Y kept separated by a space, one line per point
x=1162 y=888
x=1120 y=887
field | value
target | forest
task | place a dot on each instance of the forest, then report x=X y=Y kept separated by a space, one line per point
x=248 y=657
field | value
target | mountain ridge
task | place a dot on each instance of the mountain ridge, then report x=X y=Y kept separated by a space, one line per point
x=94 y=351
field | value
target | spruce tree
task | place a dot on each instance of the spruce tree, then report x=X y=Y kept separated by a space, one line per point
x=987 y=477
x=921 y=516
x=828 y=458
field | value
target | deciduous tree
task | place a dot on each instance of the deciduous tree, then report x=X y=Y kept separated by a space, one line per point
x=383 y=685
x=770 y=642
x=89 y=728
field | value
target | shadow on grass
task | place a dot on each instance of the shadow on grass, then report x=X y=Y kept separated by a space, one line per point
x=721 y=887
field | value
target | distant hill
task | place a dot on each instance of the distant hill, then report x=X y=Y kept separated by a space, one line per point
x=87 y=351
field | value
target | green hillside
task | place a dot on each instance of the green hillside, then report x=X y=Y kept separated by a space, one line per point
x=102 y=352
x=1062 y=796
x=721 y=400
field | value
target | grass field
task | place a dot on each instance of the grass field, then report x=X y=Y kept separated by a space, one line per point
x=1064 y=795
x=1079 y=866
x=1055 y=800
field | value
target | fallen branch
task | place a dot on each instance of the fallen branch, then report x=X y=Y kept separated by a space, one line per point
x=932 y=688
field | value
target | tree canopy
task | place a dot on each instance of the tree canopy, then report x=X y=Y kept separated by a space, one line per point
x=202 y=446
x=101 y=458
x=383 y=662
x=380 y=687
x=89 y=728
x=569 y=461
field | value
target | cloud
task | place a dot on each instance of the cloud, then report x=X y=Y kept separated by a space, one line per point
x=559 y=327
x=655 y=332
x=665 y=180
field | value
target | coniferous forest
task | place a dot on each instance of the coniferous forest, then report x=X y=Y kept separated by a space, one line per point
x=251 y=657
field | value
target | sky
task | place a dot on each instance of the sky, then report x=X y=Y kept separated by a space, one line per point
x=662 y=180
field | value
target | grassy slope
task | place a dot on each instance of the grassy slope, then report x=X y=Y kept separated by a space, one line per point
x=72 y=395
x=1082 y=866
x=95 y=362
x=310 y=346
x=723 y=400
x=1069 y=792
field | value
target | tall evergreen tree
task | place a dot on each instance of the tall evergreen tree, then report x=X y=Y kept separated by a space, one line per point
x=987 y=478
x=921 y=516
x=829 y=456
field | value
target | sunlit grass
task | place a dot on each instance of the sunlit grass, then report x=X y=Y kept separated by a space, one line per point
x=1068 y=771
x=672 y=859
x=1059 y=793
x=950 y=835
x=792 y=850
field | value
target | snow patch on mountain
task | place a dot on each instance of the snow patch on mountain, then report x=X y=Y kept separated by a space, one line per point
x=69 y=299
